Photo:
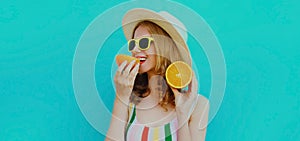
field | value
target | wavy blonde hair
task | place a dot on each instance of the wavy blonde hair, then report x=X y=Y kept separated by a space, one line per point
x=167 y=52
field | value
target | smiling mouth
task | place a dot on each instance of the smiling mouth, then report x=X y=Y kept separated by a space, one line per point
x=142 y=59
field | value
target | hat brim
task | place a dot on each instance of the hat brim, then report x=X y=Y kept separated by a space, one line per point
x=134 y=16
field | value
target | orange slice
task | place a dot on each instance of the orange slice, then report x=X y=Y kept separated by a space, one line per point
x=121 y=58
x=179 y=74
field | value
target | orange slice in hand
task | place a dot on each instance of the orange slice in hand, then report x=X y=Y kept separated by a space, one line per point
x=121 y=58
x=179 y=74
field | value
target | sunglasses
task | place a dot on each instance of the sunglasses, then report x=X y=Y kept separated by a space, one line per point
x=143 y=43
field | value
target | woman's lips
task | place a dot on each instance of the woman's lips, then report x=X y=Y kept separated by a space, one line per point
x=142 y=60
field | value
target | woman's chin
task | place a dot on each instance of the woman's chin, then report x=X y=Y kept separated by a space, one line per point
x=145 y=67
x=141 y=71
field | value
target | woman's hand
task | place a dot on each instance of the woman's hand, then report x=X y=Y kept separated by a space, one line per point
x=192 y=111
x=186 y=102
x=124 y=80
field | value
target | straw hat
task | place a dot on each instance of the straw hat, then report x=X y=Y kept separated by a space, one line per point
x=165 y=20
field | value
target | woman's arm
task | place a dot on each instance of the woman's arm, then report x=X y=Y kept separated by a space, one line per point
x=192 y=113
x=124 y=81
x=118 y=121
x=193 y=127
x=198 y=120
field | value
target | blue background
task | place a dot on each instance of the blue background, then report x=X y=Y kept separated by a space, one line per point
x=260 y=42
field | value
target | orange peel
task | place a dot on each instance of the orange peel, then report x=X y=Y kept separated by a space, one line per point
x=179 y=74
x=120 y=58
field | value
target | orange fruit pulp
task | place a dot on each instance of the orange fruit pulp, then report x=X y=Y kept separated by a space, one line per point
x=120 y=58
x=179 y=74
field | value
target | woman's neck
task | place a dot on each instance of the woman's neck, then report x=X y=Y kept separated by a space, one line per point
x=155 y=82
x=150 y=74
x=152 y=99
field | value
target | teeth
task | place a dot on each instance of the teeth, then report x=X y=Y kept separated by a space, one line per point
x=142 y=59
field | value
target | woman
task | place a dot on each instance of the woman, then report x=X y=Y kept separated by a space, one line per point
x=146 y=107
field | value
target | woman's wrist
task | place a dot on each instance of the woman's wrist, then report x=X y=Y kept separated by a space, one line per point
x=120 y=102
x=182 y=113
x=182 y=118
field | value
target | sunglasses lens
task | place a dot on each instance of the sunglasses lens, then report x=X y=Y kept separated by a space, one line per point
x=131 y=45
x=144 y=42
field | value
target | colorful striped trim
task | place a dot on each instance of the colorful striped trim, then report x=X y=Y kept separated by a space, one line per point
x=168 y=136
x=130 y=122
x=145 y=134
x=155 y=134
x=137 y=132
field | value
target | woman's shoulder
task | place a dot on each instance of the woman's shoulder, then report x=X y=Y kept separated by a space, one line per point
x=202 y=99
x=202 y=105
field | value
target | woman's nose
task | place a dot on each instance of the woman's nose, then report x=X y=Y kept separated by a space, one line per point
x=136 y=49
